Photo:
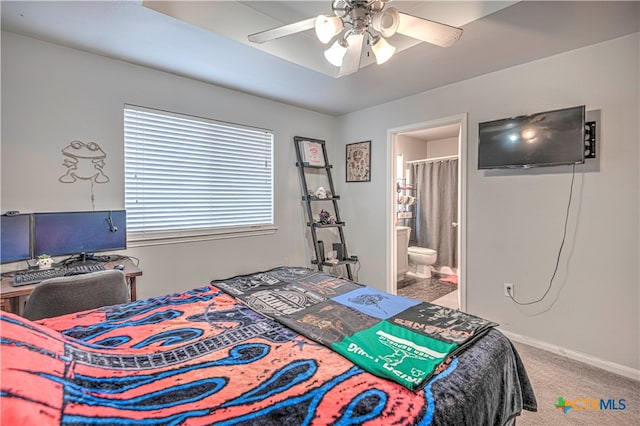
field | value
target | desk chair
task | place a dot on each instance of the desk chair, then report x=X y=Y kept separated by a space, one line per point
x=65 y=295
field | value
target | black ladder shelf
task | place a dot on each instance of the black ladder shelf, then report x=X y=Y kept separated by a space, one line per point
x=311 y=155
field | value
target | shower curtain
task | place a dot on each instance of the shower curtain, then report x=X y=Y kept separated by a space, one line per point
x=436 y=184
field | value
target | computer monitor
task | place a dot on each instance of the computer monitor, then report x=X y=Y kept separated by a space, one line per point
x=15 y=238
x=69 y=233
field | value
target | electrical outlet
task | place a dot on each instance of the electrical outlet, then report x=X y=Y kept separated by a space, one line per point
x=508 y=290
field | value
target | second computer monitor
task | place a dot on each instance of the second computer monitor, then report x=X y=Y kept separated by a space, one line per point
x=68 y=233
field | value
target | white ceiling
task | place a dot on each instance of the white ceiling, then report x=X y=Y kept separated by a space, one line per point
x=237 y=19
x=505 y=35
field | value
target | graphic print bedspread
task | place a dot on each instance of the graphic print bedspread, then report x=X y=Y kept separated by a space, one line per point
x=394 y=337
x=201 y=358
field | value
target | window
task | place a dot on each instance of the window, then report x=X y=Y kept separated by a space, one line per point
x=194 y=178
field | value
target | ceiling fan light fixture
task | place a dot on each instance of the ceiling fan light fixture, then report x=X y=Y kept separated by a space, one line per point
x=382 y=50
x=386 y=22
x=335 y=54
x=360 y=22
x=328 y=27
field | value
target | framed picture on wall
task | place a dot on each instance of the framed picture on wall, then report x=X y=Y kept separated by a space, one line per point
x=358 y=161
x=312 y=153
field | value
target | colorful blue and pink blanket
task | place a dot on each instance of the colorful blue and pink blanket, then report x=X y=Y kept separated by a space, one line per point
x=203 y=357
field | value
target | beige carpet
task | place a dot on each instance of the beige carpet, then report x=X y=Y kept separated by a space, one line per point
x=556 y=376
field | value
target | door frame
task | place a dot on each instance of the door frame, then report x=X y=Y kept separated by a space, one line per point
x=391 y=249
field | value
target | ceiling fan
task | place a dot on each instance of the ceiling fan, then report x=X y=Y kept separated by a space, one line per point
x=357 y=21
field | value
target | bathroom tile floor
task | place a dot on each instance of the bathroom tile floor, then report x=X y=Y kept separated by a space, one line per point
x=429 y=290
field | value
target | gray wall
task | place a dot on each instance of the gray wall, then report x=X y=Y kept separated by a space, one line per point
x=412 y=148
x=515 y=219
x=442 y=147
x=52 y=95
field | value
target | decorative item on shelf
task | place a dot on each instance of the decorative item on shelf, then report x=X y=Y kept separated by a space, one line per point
x=311 y=194
x=45 y=261
x=321 y=193
x=358 y=158
x=407 y=200
x=312 y=153
x=332 y=254
x=325 y=218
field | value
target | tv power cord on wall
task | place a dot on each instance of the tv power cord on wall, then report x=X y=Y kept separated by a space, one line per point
x=564 y=237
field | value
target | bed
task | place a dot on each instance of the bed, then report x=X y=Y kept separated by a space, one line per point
x=220 y=354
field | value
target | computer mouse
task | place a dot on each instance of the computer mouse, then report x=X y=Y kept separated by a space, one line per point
x=119 y=267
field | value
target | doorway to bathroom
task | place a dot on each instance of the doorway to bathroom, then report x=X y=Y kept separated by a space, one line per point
x=427 y=193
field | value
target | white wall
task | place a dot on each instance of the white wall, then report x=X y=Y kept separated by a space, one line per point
x=442 y=147
x=412 y=148
x=515 y=219
x=52 y=95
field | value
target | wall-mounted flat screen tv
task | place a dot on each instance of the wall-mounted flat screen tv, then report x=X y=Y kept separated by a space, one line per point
x=548 y=138
x=63 y=233
x=15 y=238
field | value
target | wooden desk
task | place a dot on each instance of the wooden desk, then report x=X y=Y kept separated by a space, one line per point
x=11 y=295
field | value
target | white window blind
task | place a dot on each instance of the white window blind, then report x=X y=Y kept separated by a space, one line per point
x=188 y=176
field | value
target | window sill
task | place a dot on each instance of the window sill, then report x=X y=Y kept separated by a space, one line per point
x=142 y=239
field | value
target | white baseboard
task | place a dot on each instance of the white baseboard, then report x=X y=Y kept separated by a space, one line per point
x=576 y=356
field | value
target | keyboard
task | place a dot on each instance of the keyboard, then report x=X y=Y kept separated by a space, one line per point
x=36 y=276
x=84 y=269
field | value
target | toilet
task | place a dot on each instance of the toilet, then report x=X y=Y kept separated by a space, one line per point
x=420 y=261
x=414 y=261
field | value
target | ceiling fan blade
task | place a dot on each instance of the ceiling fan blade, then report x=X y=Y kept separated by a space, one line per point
x=429 y=31
x=351 y=62
x=282 y=31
